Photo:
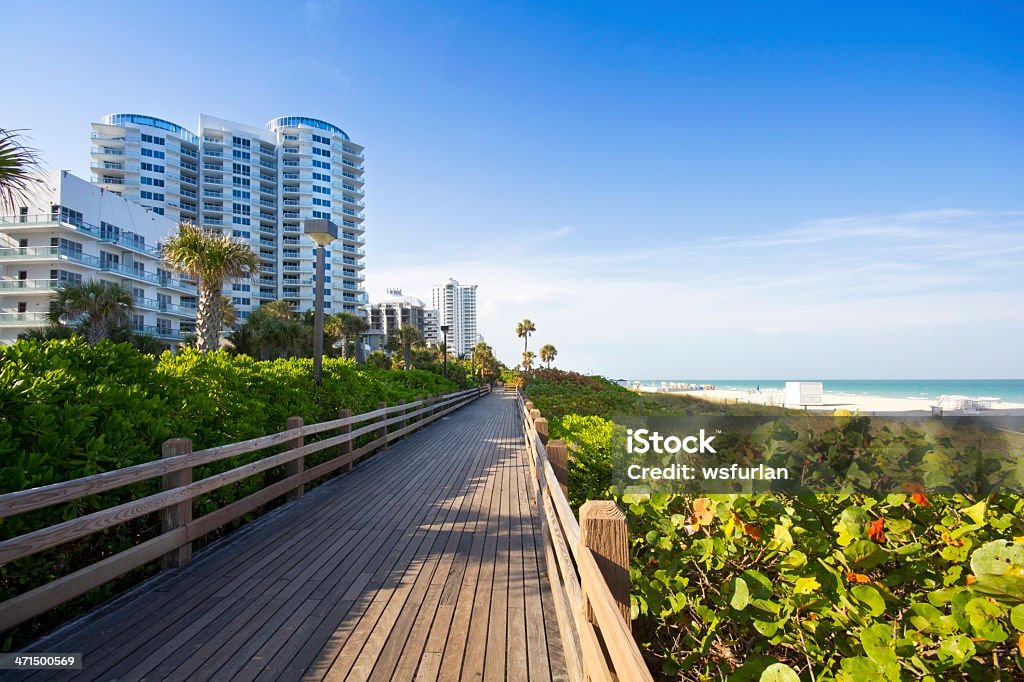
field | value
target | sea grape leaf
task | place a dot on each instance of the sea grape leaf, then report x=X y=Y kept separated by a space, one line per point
x=956 y=650
x=864 y=554
x=999 y=569
x=878 y=644
x=984 y=618
x=870 y=597
x=779 y=672
x=740 y=594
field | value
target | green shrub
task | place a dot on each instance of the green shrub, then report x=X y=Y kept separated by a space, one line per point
x=71 y=410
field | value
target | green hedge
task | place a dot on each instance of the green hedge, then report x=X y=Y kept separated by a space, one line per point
x=69 y=410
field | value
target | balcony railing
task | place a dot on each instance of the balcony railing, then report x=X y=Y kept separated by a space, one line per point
x=29 y=284
x=126 y=239
x=21 y=319
x=61 y=253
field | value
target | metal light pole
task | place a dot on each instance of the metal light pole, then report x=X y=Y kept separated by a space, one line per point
x=322 y=232
x=444 y=330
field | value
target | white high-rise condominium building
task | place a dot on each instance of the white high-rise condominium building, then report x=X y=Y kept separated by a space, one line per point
x=258 y=183
x=390 y=314
x=456 y=307
x=69 y=231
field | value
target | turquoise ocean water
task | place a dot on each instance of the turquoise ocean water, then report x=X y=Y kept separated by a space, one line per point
x=1006 y=390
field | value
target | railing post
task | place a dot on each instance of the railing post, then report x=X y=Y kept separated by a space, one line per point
x=603 y=531
x=558 y=455
x=179 y=514
x=382 y=432
x=529 y=407
x=401 y=424
x=346 y=447
x=296 y=466
x=534 y=415
x=541 y=425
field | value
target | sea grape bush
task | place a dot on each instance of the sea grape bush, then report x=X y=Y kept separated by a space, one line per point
x=843 y=587
x=69 y=410
x=777 y=587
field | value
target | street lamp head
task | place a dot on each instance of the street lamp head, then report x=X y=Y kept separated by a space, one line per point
x=445 y=328
x=321 y=231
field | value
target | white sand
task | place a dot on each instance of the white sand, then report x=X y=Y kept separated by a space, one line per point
x=865 y=404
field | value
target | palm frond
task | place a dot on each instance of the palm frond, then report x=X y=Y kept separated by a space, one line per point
x=19 y=170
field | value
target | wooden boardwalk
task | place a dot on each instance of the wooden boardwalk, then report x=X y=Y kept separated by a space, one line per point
x=424 y=563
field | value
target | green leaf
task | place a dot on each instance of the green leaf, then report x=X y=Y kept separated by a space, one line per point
x=779 y=672
x=984 y=617
x=870 y=597
x=860 y=669
x=878 y=644
x=1017 y=617
x=865 y=554
x=925 y=617
x=794 y=560
x=806 y=586
x=740 y=594
x=977 y=512
x=853 y=524
x=999 y=569
x=955 y=650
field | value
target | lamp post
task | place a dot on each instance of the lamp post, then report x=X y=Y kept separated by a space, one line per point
x=322 y=232
x=444 y=330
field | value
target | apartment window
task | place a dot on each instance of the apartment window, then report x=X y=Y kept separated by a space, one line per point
x=152 y=139
x=241 y=142
x=163 y=327
x=322 y=177
x=322 y=214
x=69 y=216
x=139 y=268
x=22 y=307
x=240 y=194
x=239 y=300
x=322 y=152
x=244 y=156
x=240 y=169
x=65 y=276
x=138 y=322
x=241 y=220
x=154 y=196
x=152 y=167
x=321 y=202
x=22 y=243
x=321 y=164
x=241 y=209
x=138 y=293
x=154 y=182
x=153 y=153
x=321 y=139
x=241 y=287
x=163 y=301
x=321 y=190
x=157 y=209
x=67 y=246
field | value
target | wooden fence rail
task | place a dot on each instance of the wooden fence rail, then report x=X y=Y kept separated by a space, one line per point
x=588 y=569
x=173 y=547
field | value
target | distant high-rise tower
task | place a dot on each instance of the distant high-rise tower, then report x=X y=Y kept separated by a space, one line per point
x=456 y=307
x=257 y=184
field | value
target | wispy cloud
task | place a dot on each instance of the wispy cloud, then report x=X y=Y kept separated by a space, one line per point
x=858 y=296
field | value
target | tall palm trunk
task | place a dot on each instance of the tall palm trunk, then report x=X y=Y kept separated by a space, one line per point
x=96 y=330
x=207 y=317
x=407 y=356
x=526 y=342
x=344 y=345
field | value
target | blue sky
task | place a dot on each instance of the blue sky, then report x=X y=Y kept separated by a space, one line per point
x=712 y=190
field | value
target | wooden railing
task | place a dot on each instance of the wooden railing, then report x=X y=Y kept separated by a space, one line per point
x=587 y=563
x=173 y=546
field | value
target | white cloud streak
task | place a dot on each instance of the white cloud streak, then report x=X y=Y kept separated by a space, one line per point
x=934 y=293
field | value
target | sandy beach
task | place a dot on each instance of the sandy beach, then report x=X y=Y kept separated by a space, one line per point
x=864 y=404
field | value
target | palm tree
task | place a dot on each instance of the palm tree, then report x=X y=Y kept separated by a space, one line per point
x=407 y=335
x=344 y=326
x=548 y=353
x=523 y=331
x=210 y=258
x=352 y=327
x=19 y=168
x=102 y=307
x=528 y=357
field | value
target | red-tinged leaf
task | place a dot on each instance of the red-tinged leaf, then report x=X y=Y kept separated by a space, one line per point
x=876 y=531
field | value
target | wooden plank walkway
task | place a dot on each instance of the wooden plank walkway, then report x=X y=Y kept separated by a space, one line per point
x=424 y=563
